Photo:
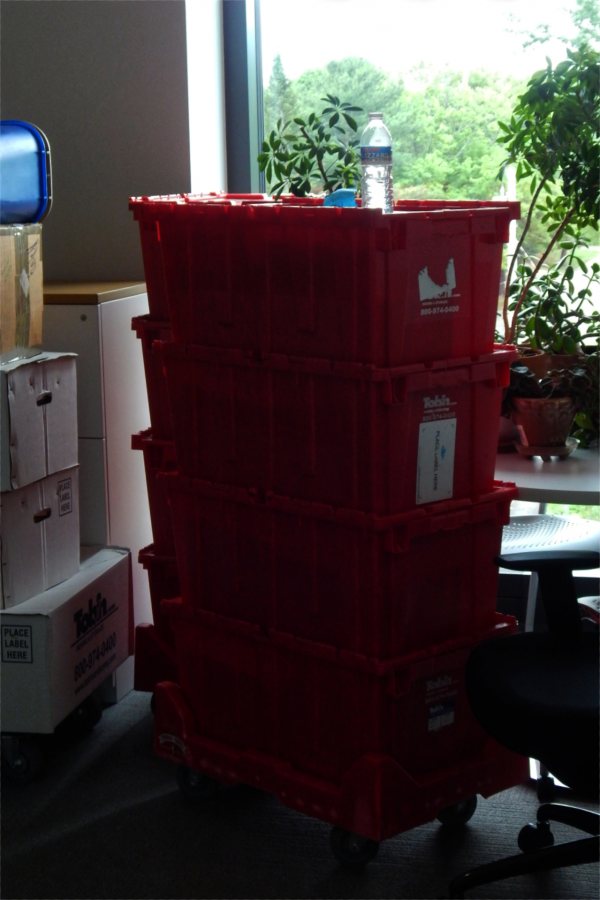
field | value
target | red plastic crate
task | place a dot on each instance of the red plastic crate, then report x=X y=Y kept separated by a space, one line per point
x=380 y=440
x=147 y=212
x=159 y=456
x=163 y=581
x=376 y=749
x=378 y=587
x=148 y=331
x=344 y=284
x=155 y=658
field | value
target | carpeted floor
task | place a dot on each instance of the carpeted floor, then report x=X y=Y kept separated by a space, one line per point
x=108 y=821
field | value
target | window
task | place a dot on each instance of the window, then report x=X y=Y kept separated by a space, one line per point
x=443 y=74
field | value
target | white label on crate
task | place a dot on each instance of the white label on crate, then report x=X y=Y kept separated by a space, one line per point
x=435 y=460
x=440 y=698
x=17 y=644
x=440 y=715
x=436 y=298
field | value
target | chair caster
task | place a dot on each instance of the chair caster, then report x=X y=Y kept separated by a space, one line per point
x=535 y=837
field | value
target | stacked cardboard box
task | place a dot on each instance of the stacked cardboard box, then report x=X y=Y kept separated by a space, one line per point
x=65 y=611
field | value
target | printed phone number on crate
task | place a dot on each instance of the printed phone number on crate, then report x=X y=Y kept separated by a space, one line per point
x=94 y=656
x=437 y=310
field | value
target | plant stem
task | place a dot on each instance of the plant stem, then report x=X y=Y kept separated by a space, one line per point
x=320 y=166
x=513 y=325
x=507 y=328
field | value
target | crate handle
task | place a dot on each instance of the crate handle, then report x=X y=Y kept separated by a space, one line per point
x=42 y=514
x=44 y=398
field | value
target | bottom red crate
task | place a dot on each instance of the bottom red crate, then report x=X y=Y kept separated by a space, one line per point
x=376 y=748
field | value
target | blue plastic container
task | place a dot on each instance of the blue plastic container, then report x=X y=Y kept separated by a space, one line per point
x=25 y=173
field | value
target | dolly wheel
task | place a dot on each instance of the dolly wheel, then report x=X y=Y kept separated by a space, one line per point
x=196 y=787
x=24 y=760
x=535 y=837
x=352 y=850
x=459 y=813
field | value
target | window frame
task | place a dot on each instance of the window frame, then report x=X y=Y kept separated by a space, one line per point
x=244 y=124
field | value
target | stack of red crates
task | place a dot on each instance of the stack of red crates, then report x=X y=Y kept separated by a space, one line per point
x=324 y=393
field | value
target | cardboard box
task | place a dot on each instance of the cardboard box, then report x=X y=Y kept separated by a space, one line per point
x=61 y=645
x=38 y=416
x=21 y=288
x=39 y=536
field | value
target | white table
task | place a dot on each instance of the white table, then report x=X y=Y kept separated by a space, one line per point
x=575 y=479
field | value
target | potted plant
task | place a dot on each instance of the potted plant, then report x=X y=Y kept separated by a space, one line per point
x=319 y=153
x=553 y=140
x=544 y=408
x=548 y=310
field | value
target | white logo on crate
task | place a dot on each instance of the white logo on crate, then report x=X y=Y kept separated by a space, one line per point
x=440 y=400
x=433 y=296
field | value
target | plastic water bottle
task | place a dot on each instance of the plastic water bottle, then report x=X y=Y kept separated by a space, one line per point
x=376 y=161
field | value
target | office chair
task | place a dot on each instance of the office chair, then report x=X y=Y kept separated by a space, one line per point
x=545 y=531
x=537 y=693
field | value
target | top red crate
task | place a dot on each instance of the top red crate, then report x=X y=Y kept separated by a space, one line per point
x=356 y=285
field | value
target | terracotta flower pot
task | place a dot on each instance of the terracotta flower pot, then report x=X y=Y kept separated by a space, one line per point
x=543 y=421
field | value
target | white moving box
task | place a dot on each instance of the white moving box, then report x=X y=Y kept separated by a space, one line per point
x=39 y=536
x=38 y=418
x=59 y=646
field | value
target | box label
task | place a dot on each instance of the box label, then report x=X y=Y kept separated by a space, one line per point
x=64 y=491
x=435 y=460
x=17 y=644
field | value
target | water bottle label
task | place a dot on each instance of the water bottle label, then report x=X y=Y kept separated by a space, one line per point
x=376 y=156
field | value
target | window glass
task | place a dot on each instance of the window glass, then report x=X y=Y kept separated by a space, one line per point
x=442 y=73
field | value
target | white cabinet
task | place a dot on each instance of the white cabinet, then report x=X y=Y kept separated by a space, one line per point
x=94 y=321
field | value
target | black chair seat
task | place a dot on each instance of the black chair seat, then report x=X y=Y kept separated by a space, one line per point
x=539 y=696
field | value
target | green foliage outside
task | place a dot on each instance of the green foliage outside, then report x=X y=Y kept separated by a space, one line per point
x=583 y=512
x=444 y=126
x=317 y=152
x=553 y=139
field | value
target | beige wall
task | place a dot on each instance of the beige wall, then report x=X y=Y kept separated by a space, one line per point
x=106 y=80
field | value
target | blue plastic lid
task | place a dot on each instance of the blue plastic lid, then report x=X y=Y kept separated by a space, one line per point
x=341 y=197
x=25 y=173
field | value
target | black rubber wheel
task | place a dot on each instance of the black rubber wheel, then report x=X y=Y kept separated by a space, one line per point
x=352 y=850
x=26 y=763
x=535 y=837
x=458 y=814
x=196 y=787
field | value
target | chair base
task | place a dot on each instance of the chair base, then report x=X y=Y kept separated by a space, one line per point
x=539 y=853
